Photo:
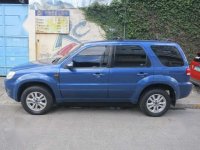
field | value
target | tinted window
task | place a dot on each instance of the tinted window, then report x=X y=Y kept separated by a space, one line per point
x=130 y=56
x=197 y=58
x=92 y=57
x=168 y=55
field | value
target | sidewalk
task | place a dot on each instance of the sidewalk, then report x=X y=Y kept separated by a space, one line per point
x=192 y=101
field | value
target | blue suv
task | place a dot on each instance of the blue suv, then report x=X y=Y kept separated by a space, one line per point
x=153 y=74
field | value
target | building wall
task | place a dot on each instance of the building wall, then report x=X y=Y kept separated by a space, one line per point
x=60 y=4
x=45 y=45
x=19 y=42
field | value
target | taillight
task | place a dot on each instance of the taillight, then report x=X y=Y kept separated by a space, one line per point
x=188 y=72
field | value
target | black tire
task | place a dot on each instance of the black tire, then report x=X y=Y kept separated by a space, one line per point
x=147 y=95
x=42 y=90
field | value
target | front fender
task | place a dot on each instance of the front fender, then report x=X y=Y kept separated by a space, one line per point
x=153 y=80
x=37 y=77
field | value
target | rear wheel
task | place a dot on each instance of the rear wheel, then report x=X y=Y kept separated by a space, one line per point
x=37 y=100
x=155 y=102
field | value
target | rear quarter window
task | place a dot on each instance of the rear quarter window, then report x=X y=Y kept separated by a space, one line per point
x=168 y=55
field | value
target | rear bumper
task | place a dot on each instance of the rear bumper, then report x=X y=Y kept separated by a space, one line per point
x=195 y=81
x=185 y=89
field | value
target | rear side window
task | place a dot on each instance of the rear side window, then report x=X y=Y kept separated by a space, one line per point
x=168 y=55
x=130 y=56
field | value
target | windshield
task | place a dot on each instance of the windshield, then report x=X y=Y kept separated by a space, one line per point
x=56 y=59
x=197 y=58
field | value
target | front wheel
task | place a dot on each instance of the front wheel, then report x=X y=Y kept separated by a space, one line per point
x=155 y=102
x=36 y=100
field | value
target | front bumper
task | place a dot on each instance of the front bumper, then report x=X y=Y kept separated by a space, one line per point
x=10 y=89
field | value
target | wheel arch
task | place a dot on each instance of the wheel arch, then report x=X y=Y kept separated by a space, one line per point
x=162 y=86
x=34 y=83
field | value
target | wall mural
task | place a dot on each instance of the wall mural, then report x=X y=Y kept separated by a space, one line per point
x=80 y=30
x=64 y=4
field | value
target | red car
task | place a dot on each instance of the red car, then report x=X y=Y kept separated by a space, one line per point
x=195 y=70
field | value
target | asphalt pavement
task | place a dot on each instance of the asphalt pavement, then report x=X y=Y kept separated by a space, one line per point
x=98 y=129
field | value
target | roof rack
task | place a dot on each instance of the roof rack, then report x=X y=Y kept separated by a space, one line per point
x=118 y=38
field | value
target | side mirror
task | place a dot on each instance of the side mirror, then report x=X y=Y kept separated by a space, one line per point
x=69 y=65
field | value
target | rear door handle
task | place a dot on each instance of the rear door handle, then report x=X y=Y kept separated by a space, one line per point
x=142 y=74
x=98 y=74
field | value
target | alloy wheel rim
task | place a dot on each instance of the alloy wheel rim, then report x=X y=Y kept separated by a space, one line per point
x=36 y=101
x=156 y=103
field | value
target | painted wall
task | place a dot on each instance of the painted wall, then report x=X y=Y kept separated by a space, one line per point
x=13 y=38
x=45 y=45
x=60 y=4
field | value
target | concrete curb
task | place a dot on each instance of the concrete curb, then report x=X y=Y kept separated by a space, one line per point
x=191 y=106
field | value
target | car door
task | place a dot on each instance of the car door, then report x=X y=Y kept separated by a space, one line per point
x=130 y=64
x=87 y=80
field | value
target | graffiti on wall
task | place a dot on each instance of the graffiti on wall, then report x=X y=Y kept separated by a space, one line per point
x=80 y=30
x=64 y=4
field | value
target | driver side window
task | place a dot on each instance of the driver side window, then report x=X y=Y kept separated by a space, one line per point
x=96 y=56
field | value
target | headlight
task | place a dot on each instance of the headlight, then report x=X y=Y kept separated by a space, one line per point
x=10 y=75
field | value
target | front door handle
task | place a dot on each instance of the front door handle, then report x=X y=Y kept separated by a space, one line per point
x=142 y=74
x=98 y=74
